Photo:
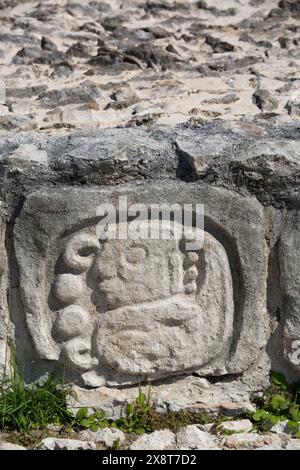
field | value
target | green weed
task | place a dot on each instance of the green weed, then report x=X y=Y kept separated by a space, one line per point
x=26 y=407
x=281 y=402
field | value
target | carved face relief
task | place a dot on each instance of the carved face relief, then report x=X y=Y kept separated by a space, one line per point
x=136 y=271
x=141 y=308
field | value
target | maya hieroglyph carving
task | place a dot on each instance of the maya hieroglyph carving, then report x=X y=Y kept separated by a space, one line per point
x=132 y=309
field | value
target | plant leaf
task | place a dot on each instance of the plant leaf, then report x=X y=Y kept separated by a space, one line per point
x=82 y=413
x=279 y=379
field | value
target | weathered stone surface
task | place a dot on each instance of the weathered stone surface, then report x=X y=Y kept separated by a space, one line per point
x=251 y=441
x=191 y=437
x=69 y=65
x=264 y=100
x=55 y=443
x=293 y=444
x=289 y=259
x=281 y=158
x=251 y=157
x=53 y=283
x=29 y=153
x=91 y=156
x=3 y=294
x=293 y=107
x=157 y=440
x=161 y=102
x=284 y=443
x=106 y=436
x=195 y=392
x=213 y=320
x=244 y=154
x=243 y=425
x=281 y=428
x=209 y=427
x=200 y=153
x=10 y=446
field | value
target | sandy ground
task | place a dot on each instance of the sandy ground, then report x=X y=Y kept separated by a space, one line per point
x=66 y=65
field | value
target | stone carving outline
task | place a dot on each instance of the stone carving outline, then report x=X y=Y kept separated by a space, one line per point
x=172 y=318
x=60 y=214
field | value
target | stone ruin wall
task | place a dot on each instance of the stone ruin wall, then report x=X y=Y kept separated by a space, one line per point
x=112 y=314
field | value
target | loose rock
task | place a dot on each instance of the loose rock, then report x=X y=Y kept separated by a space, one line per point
x=106 y=436
x=10 y=446
x=157 y=440
x=55 y=443
x=191 y=437
x=250 y=441
x=243 y=425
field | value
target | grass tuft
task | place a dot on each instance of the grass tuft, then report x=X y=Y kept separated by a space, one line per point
x=26 y=407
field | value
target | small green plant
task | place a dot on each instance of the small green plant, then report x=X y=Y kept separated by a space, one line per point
x=281 y=402
x=137 y=415
x=139 y=418
x=116 y=445
x=94 y=421
x=30 y=408
x=26 y=407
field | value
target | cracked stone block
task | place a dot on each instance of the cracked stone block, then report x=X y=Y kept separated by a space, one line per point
x=197 y=393
x=116 y=312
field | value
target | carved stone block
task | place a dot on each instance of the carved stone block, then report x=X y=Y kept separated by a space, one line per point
x=120 y=311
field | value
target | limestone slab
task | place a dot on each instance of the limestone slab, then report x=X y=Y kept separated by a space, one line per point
x=171 y=394
x=124 y=311
x=191 y=437
x=157 y=440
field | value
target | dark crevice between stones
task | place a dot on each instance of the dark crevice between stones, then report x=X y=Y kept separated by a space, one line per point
x=274 y=295
x=13 y=276
x=237 y=276
x=185 y=172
